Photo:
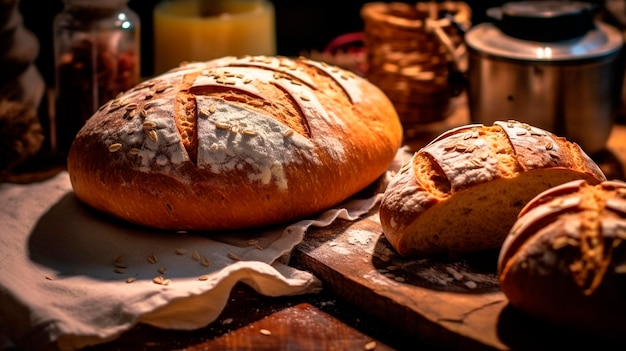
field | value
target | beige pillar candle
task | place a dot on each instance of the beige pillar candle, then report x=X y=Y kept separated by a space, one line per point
x=199 y=30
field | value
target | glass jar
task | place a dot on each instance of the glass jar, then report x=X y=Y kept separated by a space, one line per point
x=97 y=56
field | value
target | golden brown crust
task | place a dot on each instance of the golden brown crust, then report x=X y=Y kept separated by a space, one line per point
x=234 y=143
x=564 y=260
x=462 y=192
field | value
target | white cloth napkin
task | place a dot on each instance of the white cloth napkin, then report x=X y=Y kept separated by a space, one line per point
x=73 y=276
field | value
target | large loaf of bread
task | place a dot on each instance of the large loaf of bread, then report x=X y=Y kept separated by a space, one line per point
x=462 y=192
x=233 y=143
x=564 y=261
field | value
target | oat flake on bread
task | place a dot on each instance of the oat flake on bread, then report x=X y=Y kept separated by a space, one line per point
x=233 y=143
x=462 y=192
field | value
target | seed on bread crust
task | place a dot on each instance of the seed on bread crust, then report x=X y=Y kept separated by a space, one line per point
x=115 y=147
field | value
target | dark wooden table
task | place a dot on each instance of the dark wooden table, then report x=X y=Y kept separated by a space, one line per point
x=307 y=322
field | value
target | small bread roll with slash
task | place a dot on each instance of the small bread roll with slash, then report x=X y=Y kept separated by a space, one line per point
x=564 y=261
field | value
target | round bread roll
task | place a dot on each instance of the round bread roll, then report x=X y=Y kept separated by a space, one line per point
x=564 y=261
x=462 y=192
x=233 y=143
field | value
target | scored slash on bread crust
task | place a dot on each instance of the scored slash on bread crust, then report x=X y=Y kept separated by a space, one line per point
x=564 y=260
x=233 y=143
x=462 y=192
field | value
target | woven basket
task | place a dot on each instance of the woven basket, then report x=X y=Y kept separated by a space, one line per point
x=409 y=50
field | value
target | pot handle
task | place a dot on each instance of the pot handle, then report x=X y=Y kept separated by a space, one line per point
x=458 y=65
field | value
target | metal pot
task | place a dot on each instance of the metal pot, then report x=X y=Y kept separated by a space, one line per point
x=550 y=64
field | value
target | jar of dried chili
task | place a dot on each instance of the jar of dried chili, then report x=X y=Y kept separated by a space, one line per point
x=97 y=56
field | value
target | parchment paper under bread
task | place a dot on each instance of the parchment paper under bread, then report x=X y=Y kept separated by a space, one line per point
x=71 y=275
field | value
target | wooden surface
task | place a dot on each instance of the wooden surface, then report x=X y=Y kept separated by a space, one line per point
x=308 y=322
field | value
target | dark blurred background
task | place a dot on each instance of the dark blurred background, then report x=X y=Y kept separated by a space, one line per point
x=300 y=25
x=302 y=28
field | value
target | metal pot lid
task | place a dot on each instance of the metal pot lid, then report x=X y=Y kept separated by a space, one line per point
x=528 y=31
x=544 y=20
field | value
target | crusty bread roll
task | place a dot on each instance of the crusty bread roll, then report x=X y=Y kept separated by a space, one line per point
x=233 y=143
x=462 y=192
x=564 y=261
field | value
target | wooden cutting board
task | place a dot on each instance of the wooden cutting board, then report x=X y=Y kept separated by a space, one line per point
x=451 y=304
